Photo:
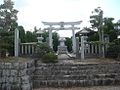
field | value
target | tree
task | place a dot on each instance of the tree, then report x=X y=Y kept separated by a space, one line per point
x=30 y=36
x=68 y=43
x=109 y=29
x=117 y=27
x=8 y=17
x=55 y=38
x=55 y=41
x=45 y=36
x=97 y=22
x=21 y=34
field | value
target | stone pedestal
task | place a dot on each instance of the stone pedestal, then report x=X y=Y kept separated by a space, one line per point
x=62 y=49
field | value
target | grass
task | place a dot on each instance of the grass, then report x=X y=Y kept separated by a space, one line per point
x=14 y=59
x=96 y=61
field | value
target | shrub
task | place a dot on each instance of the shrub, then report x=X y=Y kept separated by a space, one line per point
x=42 y=49
x=50 y=58
x=3 y=53
x=113 y=51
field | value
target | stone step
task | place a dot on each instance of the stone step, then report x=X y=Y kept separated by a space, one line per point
x=75 y=77
x=74 y=72
x=77 y=67
x=73 y=83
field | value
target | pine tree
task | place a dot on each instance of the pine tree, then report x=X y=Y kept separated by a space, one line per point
x=8 y=17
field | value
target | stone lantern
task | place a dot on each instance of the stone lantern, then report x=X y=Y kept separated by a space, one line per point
x=84 y=46
x=39 y=36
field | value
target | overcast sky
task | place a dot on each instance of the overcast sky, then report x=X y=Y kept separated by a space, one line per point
x=33 y=12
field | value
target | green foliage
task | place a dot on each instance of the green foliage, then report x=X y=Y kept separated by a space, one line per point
x=55 y=41
x=109 y=28
x=96 y=21
x=30 y=36
x=50 y=58
x=42 y=49
x=68 y=43
x=45 y=36
x=46 y=53
x=55 y=38
x=8 y=17
x=113 y=51
x=3 y=53
x=21 y=34
x=93 y=37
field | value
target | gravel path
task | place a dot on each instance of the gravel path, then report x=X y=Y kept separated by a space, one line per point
x=85 y=88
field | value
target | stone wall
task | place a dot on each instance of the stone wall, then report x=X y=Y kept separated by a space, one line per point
x=26 y=76
x=16 y=76
x=70 y=75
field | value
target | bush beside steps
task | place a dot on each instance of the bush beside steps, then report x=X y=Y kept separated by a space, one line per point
x=50 y=58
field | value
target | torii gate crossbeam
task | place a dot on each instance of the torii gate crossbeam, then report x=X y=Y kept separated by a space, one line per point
x=62 y=24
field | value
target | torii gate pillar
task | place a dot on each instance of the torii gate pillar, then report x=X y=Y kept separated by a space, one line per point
x=73 y=40
x=50 y=37
x=62 y=24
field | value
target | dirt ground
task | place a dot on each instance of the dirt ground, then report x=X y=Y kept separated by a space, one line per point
x=84 y=88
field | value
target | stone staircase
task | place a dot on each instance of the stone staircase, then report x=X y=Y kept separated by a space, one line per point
x=70 y=75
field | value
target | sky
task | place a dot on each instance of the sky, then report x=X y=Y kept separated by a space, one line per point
x=33 y=12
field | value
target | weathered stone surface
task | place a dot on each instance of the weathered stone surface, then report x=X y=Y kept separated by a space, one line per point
x=16 y=76
x=25 y=79
x=15 y=87
x=19 y=76
x=15 y=65
x=13 y=72
x=23 y=65
x=22 y=72
x=67 y=75
x=26 y=87
x=8 y=65
x=2 y=65
x=6 y=72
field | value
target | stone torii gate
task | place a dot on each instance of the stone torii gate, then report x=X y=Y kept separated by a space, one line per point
x=62 y=24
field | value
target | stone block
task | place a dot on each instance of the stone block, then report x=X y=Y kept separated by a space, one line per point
x=15 y=65
x=0 y=86
x=26 y=87
x=22 y=72
x=0 y=73
x=3 y=86
x=23 y=66
x=17 y=80
x=13 y=72
x=11 y=79
x=2 y=66
x=25 y=79
x=8 y=65
x=15 y=87
x=14 y=80
x=6 y=72
x=3 y=79
x=30 y=70
x=0 y=80
x=29 y=64
x=8 y=86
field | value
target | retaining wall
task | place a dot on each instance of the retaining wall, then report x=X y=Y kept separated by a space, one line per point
x=16 y=76
x=29 y=75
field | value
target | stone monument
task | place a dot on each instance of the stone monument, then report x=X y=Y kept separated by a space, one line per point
x=62 y=48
